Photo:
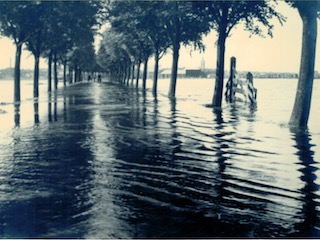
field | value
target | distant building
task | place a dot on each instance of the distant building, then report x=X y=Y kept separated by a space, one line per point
x=166 y=73
x=211 y=73
x=195 y=73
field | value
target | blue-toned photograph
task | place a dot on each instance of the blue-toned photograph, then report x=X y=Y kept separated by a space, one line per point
x=159 y=119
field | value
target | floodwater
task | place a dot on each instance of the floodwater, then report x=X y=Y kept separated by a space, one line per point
x=108 y=161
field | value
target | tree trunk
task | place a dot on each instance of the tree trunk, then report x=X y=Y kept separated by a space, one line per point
x=138 y=74
x=79 y=74
x=65 y=73
x=70 y=74
x=36 y=77
x=133 y=69
x=125 y=73
x=36 y=111
x=155 y=74
x=175 y=55
x=218 y=89
x=17 y=73
x=174 y=70
x=50 y=72
x=300 y=114
x=55 y=72
x=129 y=74
x=75 y=73
x=117 y=75
x=145 y=73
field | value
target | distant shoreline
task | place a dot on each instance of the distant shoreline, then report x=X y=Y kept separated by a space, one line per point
x=179 y=78
x=27 y=74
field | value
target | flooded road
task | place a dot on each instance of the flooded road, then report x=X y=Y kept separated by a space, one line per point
x=109 y=161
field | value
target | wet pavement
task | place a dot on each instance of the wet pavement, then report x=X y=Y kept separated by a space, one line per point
x=110 y=161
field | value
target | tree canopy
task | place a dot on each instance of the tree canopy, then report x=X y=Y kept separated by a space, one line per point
x=49 y=28
x=152 y=27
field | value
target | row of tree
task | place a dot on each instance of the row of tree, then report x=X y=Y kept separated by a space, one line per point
x=63 y=33
x=141 y=29
x=145 y=28
x=60 y=31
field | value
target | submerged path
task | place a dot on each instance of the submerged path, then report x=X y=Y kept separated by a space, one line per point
x=108 y=161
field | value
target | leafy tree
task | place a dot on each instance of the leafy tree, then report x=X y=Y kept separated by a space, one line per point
x=145 y=47
x=76 y=22
x=149 y=20
x=153 y=22
x=184 y=26
x=36 y=42
x=81 y=56
x=151 y=27
x=50 y=29
x=127 y=18
x=114 y=55
x=309 y=11
x=17 y=23
x=224 y=15
x=103 y=60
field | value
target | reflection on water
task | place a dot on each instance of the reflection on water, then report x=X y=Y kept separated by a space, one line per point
x=310 y=199
x=108 y=161
x=17 y=114
x=36 y=111
x=52 y=101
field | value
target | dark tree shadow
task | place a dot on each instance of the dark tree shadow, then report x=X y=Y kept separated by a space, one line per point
x=36 y=111
x=309 y=227
x=17 y=114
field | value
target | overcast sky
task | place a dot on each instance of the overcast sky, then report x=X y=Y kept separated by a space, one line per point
x=278 y=54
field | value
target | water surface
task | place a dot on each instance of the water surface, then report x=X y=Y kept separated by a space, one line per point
x=109 y=161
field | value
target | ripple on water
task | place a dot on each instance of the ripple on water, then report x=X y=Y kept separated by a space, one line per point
x=116 y=163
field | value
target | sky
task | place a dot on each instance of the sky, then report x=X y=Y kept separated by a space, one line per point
x=278 y=54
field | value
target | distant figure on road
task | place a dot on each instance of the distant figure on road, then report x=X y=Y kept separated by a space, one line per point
x=99 y=78
x=89 y=78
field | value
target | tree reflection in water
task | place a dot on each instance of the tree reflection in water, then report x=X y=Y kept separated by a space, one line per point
x=113 y=161
x=310 y=224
